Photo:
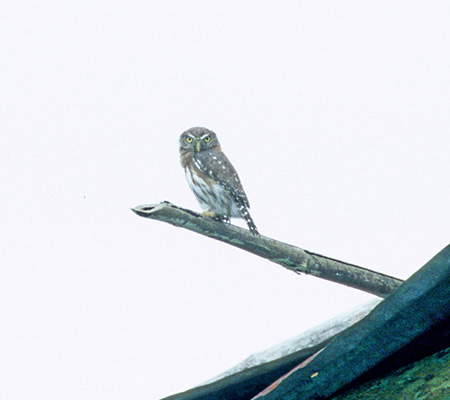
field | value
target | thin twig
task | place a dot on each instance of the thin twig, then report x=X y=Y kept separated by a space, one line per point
x=290 y=257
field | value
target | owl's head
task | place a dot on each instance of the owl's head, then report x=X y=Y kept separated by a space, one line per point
x=198 y=139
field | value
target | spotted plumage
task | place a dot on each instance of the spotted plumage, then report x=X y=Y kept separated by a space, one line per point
x=212 y=177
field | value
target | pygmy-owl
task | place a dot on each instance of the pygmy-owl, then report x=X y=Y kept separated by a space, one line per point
x=212 y=177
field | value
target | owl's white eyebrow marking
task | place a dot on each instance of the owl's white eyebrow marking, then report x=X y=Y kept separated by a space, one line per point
x=206 y=134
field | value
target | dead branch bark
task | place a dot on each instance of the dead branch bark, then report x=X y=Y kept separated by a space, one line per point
x=288 y=256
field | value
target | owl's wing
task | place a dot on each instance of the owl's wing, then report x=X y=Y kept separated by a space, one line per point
x=216 y=165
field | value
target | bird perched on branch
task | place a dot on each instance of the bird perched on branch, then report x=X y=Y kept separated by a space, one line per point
x=212 y=177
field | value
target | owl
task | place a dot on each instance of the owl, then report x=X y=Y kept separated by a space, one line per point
x=212 y=177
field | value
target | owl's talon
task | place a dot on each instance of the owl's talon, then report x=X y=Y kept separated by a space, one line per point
x=219 y=218
x=222 y=219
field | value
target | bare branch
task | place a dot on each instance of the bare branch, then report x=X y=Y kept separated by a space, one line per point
x=290 y=257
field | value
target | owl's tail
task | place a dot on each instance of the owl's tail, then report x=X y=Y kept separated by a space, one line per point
x=246 y=215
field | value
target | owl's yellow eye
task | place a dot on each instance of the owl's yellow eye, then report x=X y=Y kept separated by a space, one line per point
x=189 y=139
x=207 y=139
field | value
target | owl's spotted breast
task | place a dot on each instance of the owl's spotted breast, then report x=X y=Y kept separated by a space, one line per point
x=211 y=195
x=216 y=165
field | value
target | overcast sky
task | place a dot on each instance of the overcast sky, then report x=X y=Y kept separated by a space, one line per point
x=335 y=114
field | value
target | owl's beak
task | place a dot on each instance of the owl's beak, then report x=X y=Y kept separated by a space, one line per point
x=198 y=144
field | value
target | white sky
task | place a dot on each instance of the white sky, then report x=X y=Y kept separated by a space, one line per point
x=335 y=114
